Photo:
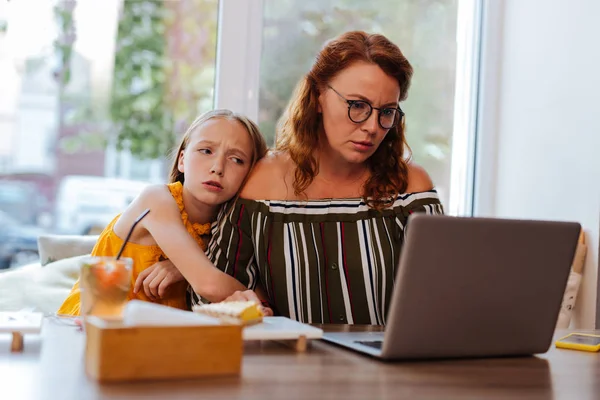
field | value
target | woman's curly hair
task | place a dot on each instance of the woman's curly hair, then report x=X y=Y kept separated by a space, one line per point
x=299 y=127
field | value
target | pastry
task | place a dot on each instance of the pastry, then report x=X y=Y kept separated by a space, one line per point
x=235 y=312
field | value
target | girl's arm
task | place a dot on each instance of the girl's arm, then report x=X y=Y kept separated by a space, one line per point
x=155 y=280
x=166 y=229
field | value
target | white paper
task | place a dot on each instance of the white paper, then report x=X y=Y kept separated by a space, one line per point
x=143 y=313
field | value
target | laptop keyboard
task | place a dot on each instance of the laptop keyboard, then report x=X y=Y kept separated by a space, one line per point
x=371 y=343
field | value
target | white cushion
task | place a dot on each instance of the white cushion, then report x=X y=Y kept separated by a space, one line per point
x=42 y=288
x=56 y=247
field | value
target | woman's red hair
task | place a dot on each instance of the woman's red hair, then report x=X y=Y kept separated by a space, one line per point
x=299 y=128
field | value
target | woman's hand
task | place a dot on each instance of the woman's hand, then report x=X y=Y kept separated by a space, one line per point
x=249 y=295
x=157 y=279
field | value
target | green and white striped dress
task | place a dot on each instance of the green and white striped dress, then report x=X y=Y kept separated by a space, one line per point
x=320 y=261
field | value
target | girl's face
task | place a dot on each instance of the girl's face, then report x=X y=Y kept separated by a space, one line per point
x=346 y=140
x=216 y=160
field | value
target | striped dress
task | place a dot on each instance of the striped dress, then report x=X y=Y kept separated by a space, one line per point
x=320 y=261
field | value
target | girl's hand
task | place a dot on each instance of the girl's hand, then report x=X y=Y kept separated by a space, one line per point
x=249 y=295
x=157 y=279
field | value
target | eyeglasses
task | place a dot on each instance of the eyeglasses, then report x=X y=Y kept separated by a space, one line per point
x=360 y=111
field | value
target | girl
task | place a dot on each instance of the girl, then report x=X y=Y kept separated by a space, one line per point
x=211 y=165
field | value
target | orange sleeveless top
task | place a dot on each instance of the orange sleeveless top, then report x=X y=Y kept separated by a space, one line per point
x=144 y=256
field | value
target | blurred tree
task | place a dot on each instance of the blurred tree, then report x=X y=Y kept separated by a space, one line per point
x=191 y=32
x=63 y=52
x=164 y=72
x=63 y=45
x=143 y=122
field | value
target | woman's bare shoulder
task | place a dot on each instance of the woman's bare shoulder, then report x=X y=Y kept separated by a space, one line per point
x=269 y=178
x=418 y=179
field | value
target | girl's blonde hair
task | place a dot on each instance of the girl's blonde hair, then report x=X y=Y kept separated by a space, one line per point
x=258 y=142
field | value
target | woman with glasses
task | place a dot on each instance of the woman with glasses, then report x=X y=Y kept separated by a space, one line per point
x=319 y=225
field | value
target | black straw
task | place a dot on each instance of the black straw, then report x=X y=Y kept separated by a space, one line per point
x=142 y=215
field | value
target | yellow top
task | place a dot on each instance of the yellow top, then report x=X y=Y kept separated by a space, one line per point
x=144 y=256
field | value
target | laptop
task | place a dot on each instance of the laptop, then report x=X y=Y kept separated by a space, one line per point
x=473 y=287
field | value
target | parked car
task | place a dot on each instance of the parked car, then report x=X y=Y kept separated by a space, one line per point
x=22 y=201
x=18 y=242
x=86 y=204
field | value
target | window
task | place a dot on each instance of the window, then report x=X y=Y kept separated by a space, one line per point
x=93 y=96
x=94 y=93
x=286 y=35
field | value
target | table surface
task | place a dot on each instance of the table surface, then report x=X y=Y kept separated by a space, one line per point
x=51 y=367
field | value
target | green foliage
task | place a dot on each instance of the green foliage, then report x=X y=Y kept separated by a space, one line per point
x=164 y=72
x=143 y=122
x=191 y=32
x=63 y=45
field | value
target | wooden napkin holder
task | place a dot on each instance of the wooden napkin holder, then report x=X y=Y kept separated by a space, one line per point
x=115 y=352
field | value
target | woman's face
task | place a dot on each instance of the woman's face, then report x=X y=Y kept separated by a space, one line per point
x=347 y=140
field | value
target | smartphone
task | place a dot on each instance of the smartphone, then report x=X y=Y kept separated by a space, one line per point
x=579 y=341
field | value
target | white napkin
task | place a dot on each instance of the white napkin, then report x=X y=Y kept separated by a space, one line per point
x=143 y=313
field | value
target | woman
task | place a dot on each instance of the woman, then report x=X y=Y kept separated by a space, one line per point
x=320 y=223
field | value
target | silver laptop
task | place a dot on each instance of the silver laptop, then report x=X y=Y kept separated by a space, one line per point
x=473 y=287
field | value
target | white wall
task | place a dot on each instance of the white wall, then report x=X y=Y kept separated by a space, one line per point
x=540 y=120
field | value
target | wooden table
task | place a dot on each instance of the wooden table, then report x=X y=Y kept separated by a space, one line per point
x=51 y=367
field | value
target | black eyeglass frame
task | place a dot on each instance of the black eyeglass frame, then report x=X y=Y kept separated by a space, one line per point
x=371 y=108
